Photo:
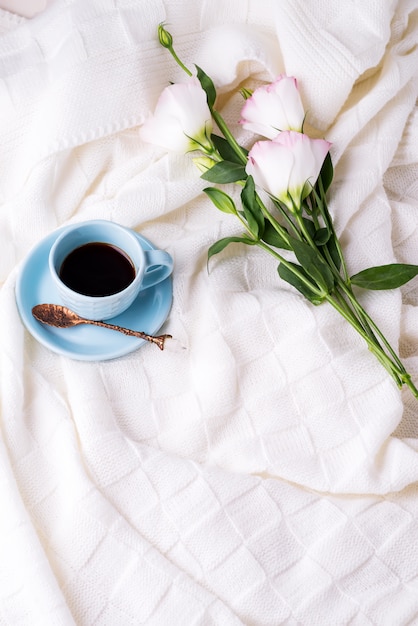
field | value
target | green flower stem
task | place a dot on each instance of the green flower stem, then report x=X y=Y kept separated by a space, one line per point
x=339 y=296
x=329 y=223
x=394 y=367
x=166 y=40
x=407 y=380
x=313 y=287
x=359 y=318
x=340 y=252
x=305 y=232
x=376 y=349
x=288 y=220
x=359 y=312
x=343 y=285
x=179 y=62
x=276 y=225
x=373 y=325
x=369 y=325
x=279 y=257
x=229 y=136
x=369 y=330
x=356 y=315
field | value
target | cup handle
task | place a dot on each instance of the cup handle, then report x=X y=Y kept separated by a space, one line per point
x=158 y=266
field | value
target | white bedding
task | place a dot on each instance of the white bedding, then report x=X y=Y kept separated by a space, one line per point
x=266 y=473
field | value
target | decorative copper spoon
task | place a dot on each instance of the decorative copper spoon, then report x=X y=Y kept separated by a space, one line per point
x=61 y=317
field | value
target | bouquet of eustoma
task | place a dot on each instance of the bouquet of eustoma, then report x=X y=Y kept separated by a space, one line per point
x=284 y=179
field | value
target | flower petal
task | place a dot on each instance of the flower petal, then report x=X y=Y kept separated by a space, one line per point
x=182 y=120
x=284 y=166
x=270 y=164
x=309 y=156
x=273 y=108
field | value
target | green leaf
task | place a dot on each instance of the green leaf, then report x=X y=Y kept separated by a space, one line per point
x=225 y=150
x=333 y=250
x=322 y=236
x=225 y=172
x=319 y=235
x=290 y=277
x=252 y=211
x=327 y=173
x=385 y=276
x=273 y=238
x=207 y=86
x=310 y=226
x=221 y=200
x=218 y=246
x=313 y=264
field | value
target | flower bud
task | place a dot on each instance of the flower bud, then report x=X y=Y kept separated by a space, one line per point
x=203 y=163
x=165 y=38
x=221 y=200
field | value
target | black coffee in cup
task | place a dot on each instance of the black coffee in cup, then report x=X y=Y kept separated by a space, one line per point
x=97 y=269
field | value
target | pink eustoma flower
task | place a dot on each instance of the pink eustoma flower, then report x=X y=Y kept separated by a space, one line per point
x=273 y=108
x=182 y=120
x=287 y=167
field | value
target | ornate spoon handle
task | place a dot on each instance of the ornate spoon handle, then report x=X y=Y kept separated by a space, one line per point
x=159 y=340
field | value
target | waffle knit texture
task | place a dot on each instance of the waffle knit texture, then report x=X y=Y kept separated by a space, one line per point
x=266 y=474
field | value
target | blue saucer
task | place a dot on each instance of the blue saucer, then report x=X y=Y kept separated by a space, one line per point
x=88 y=343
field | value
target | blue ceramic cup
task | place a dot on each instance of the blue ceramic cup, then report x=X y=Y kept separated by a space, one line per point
x=123 y=254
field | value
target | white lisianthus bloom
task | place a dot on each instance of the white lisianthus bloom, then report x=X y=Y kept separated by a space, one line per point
x=287 y=167
x=273 y=108
x=182 y=121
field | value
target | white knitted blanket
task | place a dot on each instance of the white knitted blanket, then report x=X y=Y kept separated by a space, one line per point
x=265 y=474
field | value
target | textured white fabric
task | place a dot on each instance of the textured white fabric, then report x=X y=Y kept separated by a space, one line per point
x=267 y=473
